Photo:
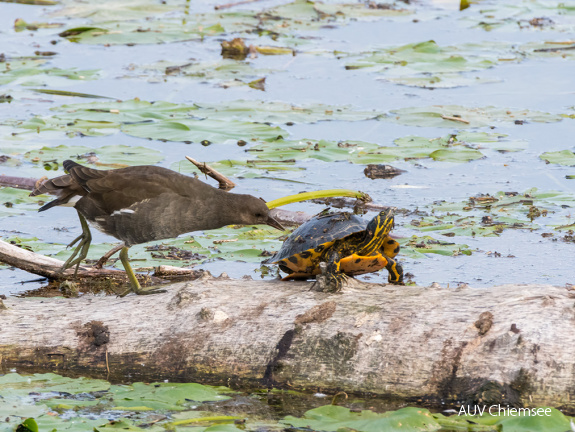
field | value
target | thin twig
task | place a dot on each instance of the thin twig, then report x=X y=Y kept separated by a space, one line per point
x=459 y=119
x=229 y=5
x=225 y=183
x=107 y=365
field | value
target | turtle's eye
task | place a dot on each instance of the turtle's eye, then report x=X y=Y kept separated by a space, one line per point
x=259 y=215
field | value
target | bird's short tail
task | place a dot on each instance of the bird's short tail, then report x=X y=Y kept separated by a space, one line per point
x=62 y=187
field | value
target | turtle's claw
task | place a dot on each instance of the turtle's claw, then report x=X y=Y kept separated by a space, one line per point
x=328 y=281
x=395 y=272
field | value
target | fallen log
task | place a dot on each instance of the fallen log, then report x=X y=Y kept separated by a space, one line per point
x=94 y=276
x=511 y=344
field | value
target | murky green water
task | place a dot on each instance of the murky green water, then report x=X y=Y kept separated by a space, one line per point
x=55 y=403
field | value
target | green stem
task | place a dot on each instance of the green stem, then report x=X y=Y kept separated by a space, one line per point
x=327 y=193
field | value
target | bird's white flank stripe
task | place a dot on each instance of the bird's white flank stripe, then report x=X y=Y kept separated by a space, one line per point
x=72 y=201
x=122 y=211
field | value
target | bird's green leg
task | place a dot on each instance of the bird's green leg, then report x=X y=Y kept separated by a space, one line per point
x=136 y=288
x=331 y=278
x=82 y=249
x=395 y=271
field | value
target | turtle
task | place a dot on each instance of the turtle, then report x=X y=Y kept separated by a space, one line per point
x=346 y=243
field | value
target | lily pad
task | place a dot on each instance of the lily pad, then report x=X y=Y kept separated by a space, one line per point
x=563 y=157
x=455 y=116
x=164 y=396
x=114 y=156
x=22 y=68
x=227 y=73
x=161 y=120
x=427 y=64
x=148 y=32
x=132 y=22
x=460 y=147
x=233 y=243
x=280 y=112
x=518 y=420
x=49 y=382
x=336 y=418
x=16 y=201
x=451 y=225
x=217 y=131
x=549 y=49
x=525 y=15
x=418 y=246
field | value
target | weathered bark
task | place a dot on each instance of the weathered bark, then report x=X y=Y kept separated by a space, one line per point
x=511 y=344
x=50 y=267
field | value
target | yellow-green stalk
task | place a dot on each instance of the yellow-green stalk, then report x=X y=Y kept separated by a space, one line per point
x=327 y=193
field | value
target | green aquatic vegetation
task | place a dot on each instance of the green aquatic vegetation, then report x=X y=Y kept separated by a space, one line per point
x=161 y=120
x=245 y=169
x=427 y=64
x=523 y=15
x=417 y=247
x=225 y=72
x=233 y=243
x=281 y=112
x=524 y=420
x=562 y=157
x=549 y=50
x=148 y=32
x=491 y=214
x=163 y=396
x=51 y=158
x=17 y=201
x=455 y=116
x=458 y=148
x=210 y=131
x=16 y=384
x=36 y=70
x=49 y=402
x=452 y=225
x=131 y=23
x=245 y=121
x=335 y=418
x=112 y=156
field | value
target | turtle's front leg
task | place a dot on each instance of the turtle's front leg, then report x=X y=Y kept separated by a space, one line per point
x=331 y=279
x=395 y=271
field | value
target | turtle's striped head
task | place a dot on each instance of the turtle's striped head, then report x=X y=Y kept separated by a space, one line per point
x=376 y=231
x=382 y=224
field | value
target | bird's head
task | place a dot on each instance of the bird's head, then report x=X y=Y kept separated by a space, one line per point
x=254 y=211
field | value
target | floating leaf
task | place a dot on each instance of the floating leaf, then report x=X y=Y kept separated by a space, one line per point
x=218 y=131
x=454 y=116
x=21 y=68
x=69 y=93
x=161 y=120
x=525 y=15
x=117 y=156
x=280 y=112
x=427 y=64
x=148 y=32
x=417 y=246
x=226 y=72
x=460 y=147
x=164 y=396
x=335 y=418
x=50 y=382
x=563 y=157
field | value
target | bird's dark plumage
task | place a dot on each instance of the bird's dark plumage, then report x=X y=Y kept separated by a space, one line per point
x=144 y=203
